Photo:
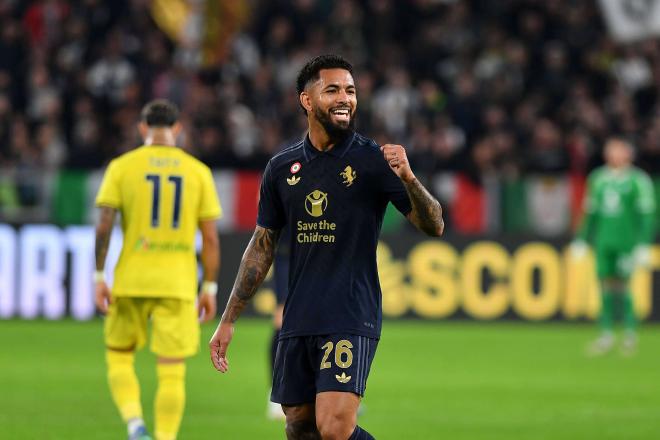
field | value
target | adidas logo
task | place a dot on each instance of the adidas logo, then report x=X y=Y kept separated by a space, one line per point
x=343 y=378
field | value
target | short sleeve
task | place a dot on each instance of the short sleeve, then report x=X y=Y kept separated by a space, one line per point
x=271 y=211
x=645 y=194
x=109 y=194
x=394 y=190
x=209 y=207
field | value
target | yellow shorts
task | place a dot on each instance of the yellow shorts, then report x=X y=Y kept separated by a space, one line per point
x=174 y=325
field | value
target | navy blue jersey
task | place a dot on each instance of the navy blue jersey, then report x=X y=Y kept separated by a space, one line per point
x=284 y=243
x=333 y=204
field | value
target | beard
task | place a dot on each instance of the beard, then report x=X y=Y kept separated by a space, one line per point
x=335 y=130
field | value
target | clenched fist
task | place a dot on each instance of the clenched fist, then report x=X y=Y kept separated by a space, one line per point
x=396 y=158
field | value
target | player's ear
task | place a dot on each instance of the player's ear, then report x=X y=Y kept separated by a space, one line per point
x=306 y=101
x=176 y=128
x=143 y=128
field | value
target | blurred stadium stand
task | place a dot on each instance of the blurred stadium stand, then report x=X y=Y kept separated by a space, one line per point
x=503 y=105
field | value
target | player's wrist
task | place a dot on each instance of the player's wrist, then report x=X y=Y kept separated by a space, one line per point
x=227 y=326
x=209 y=288
x=99 y=276
x=409 y=178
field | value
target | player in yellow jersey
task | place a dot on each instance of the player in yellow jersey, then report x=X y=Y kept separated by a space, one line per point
x=163 y=195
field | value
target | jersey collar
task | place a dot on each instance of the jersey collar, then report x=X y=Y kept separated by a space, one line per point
x=618 y=174
x=339 y=150
x=158 y=146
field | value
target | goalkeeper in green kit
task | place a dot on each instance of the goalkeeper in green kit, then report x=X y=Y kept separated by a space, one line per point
x=619 y=224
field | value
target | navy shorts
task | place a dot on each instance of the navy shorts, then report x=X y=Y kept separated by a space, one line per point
x=307 y=365
x=281 y=277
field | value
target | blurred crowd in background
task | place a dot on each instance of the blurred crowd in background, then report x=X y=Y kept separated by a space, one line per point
x=503 y=88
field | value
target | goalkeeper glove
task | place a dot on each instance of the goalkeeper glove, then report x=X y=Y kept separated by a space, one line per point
x=578 y=249
x=642 y=255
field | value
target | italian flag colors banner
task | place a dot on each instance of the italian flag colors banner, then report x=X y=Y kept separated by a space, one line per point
x=75 y=191
x=540 y=205
x=536 y=204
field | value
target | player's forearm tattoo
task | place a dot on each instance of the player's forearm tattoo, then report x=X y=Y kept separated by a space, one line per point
x=427 y=212
x=103 y=232
x=254 y=266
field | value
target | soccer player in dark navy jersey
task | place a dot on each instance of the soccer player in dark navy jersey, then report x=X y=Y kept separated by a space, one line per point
x=331 y=190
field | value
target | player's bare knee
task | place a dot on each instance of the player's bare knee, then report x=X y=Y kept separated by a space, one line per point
x=336 y=414
x=300 y=422
x=301 y=430
x=335 y=426
x=298 y=412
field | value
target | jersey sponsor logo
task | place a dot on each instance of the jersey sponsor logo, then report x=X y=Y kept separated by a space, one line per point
x=349 y=175
x=343 y=378
x=316 y=203
x=321 y=231
x=295 y=168
x=292 y=180
x=160 y=246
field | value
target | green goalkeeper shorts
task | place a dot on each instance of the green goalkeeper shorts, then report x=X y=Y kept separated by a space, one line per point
x=614 y=263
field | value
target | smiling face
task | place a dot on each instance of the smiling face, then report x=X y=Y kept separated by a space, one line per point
x=332 y=101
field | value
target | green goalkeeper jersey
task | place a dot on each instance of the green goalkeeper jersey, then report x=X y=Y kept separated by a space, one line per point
x=619 y=208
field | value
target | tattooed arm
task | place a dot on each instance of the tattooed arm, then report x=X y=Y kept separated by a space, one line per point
x=426 y=212
x=103 y=232
x=254 y=266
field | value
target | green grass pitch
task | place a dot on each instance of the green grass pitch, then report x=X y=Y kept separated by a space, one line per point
x=447 y=380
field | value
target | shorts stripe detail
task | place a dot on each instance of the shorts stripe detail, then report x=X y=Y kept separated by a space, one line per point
x=363 y=364
x=359 y=362
x=357 y=374
x=366 y=366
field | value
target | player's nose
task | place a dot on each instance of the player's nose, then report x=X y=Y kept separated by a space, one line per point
x=342 y=97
